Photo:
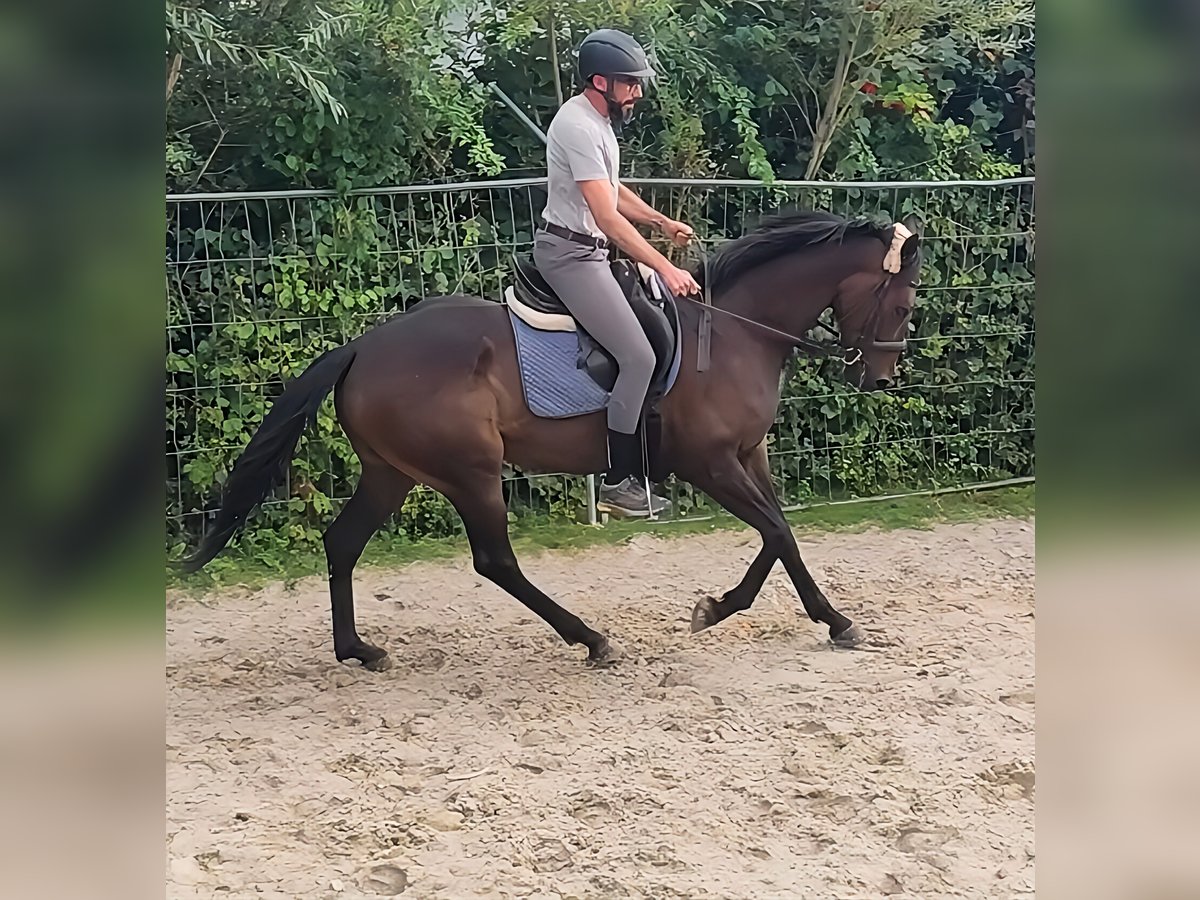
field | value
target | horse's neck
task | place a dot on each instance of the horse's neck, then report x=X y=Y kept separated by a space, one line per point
x=788 y=293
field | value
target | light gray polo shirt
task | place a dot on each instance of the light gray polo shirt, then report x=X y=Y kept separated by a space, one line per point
x=581 y=146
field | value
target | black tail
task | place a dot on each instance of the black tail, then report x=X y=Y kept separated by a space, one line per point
x=263 y=463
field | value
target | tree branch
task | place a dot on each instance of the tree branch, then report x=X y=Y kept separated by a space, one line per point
x=816 y=98
x=825 y=126
x=558 y=91
x=173 y=73
x=216 y=146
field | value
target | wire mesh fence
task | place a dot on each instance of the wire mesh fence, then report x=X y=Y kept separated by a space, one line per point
x=258 y=285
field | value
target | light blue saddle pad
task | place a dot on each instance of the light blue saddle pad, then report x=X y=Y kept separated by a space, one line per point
x=554 y=387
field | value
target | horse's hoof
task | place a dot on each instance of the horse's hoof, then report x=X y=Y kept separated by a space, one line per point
x=704 y=615
x=379 y=663
x=854 y=636
x=607 y=653
x=374 y=658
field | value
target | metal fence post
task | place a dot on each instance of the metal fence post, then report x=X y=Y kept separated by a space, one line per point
x=591 y=503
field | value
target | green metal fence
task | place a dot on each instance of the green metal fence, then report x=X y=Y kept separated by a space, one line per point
x=259 y=284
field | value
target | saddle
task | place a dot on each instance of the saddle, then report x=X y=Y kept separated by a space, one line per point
x=534 y=302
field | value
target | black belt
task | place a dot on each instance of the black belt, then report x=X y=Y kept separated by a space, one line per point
x=577 y=236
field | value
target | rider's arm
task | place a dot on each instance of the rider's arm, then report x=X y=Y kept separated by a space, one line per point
x=618 y=229
x=638 y=211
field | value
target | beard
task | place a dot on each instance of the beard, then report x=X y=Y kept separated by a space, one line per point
x=620 y=113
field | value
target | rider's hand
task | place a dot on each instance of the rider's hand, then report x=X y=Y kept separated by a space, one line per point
x=679 y=232
x=679 y=281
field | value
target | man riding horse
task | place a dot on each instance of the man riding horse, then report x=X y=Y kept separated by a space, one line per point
x=587 y=211
x=440 y=396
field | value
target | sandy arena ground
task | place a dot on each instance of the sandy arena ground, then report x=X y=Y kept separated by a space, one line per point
x=750 y=761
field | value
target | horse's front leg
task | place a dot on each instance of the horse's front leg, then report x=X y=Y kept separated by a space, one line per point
x=709 y=612
x=743 y=486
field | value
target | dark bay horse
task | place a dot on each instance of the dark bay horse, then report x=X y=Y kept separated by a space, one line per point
x=434 y=397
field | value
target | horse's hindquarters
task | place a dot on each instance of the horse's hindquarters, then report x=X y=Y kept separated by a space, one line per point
x=439 y=389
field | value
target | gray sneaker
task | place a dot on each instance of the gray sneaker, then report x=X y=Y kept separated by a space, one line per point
x=628 y=498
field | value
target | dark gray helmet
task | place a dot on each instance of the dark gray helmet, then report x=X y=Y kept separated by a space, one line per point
x=610 y=52
x=613 y=53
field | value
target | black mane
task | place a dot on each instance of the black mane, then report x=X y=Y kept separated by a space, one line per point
x=784 y=232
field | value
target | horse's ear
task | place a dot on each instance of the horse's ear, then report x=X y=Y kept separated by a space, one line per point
x=912 y=245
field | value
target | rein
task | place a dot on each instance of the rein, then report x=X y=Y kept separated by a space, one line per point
x=850 y=354
x=816 y=348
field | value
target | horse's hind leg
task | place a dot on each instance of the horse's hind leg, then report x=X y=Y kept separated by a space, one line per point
x=380 y=492
x=478 y=497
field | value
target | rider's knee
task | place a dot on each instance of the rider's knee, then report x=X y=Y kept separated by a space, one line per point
x=638 y=359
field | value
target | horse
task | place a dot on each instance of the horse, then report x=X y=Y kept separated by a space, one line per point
x=434 y=397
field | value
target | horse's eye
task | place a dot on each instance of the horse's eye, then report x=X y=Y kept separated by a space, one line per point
x=914 y=284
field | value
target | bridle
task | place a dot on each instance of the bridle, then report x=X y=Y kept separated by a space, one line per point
x=870 y=327
x=851 y=353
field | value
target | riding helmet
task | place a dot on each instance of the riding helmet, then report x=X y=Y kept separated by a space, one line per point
x=609 y=52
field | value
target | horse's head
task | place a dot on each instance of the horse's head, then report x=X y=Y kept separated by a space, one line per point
x=797 y=264
x=874 y=308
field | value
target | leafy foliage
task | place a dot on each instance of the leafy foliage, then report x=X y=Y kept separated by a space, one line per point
x=761 y=90
x=358 y=94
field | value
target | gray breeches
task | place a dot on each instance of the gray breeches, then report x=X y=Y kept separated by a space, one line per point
x=583 y=281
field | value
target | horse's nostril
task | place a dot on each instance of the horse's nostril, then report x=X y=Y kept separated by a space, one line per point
x=884 y=383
